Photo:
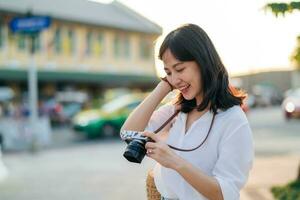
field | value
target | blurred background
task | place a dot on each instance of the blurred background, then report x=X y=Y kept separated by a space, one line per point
x=71 y=71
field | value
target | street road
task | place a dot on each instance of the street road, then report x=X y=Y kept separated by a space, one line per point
x=95 y=170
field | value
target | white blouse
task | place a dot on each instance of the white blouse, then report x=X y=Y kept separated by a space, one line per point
x=226 y=155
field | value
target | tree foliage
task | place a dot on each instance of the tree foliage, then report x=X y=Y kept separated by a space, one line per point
x=283 y=8
x=296 y=55
x=291 y=191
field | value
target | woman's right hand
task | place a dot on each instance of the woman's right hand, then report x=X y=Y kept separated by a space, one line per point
x=166 y=84
x=160 y=151
x=140 y=116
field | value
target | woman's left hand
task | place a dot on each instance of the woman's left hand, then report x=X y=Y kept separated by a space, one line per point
x=160 y=151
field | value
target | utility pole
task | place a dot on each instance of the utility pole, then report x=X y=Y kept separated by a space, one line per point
x=31 y=26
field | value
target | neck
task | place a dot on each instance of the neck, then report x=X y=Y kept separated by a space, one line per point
x=199 y=99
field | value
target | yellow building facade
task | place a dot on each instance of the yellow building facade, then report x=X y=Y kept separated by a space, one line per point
x=77 y=47
x=116 y=51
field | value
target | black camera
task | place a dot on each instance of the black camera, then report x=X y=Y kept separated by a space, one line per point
x=135 y=150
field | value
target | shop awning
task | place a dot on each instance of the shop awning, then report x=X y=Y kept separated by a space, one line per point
x=105 y=79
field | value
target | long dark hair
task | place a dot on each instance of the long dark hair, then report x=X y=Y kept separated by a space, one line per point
x=190 y=43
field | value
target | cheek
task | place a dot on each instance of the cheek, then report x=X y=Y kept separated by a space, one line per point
x=197 y=81
x=193 y=76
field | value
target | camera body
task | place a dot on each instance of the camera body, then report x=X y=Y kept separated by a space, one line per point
x=135 y=150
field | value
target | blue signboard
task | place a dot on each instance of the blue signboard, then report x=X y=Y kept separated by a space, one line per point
x=29 y=24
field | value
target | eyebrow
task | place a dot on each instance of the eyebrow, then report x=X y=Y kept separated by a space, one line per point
x=176 y=64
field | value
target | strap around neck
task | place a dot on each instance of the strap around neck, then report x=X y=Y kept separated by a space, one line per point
x=192 y=149
x=164 y=124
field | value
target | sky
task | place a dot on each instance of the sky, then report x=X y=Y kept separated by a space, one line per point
x=247 y=38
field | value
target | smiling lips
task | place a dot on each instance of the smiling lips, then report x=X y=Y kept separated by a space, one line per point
x=183 y=89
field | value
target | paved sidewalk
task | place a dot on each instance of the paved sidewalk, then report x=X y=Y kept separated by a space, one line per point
x=267 y=172
x=81 y=173
x=3 y=169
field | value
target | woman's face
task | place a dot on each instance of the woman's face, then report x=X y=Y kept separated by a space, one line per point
x=184 y=76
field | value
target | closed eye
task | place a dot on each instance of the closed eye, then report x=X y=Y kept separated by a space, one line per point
x=180 y=70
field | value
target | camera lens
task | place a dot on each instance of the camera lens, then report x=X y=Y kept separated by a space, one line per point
x=135 y=151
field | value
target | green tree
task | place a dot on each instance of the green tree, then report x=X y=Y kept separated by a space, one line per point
x=281 y=9
x=296 y=54
x=290 y=191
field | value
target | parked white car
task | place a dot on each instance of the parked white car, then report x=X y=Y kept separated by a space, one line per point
x=266 y=95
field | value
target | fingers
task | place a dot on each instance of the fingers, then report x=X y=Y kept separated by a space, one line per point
x=165 y=79
x=154 y=149
x=153 y=136
x=150 y=145
x=150 y=152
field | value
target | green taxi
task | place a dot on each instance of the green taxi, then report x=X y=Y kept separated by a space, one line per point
x=107 y=120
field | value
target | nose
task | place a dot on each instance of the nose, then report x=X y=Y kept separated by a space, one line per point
x=175 y=79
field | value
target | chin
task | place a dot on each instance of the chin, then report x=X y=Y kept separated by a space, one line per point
x=188 y=97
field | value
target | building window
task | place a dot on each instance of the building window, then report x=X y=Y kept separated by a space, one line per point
x=145 y=49
x=57 y=40
x=24 y=42
x=37 y=43
x=126 y=47
x=69 y=42
x=89 y=40
x=122 y=46
x=98 y=48
x=21 y=40
x=1 y=35
x=71 y=37
x=117 y=46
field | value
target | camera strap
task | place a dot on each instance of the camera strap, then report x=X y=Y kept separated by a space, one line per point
x=186 y=150
x=164 y=124
x=128 y=136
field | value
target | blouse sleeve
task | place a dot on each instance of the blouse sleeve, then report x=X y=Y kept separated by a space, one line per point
x=235 y=161
x=159 y=116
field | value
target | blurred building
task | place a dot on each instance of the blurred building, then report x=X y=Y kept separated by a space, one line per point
x=281 y=80
x=267 y=88
x=89 y=45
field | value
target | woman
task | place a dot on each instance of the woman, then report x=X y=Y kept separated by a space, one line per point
x=210 y=115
